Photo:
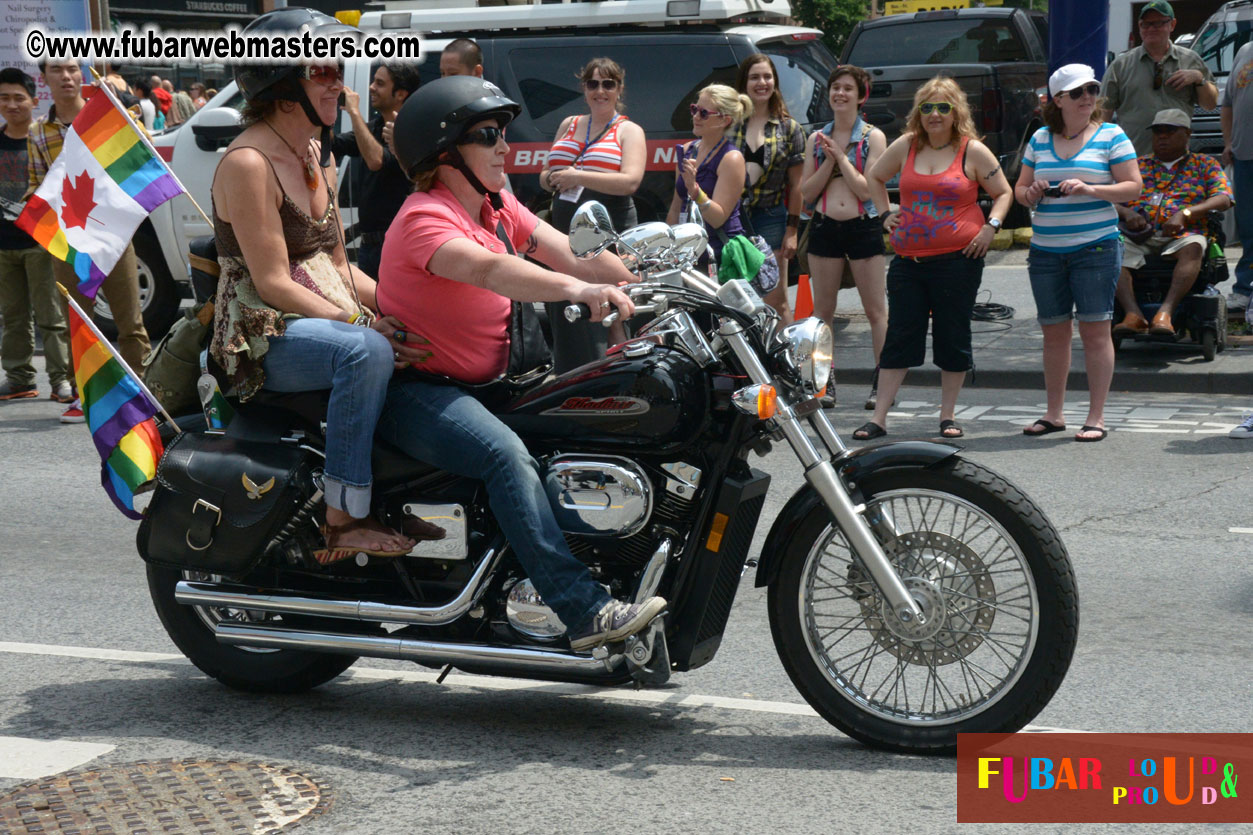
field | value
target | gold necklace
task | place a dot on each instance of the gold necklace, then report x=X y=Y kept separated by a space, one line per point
x=311 y=171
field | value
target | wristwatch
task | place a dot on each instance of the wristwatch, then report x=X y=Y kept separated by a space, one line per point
x=994 y=223
x=1187 y=213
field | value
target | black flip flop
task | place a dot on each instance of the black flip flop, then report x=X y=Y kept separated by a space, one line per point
x=1049 y=428
x=950 y=424
x=868 y=431
x=1099 y=437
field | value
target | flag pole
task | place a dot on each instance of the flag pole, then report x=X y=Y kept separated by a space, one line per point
x=129 y=372
x=143 y=135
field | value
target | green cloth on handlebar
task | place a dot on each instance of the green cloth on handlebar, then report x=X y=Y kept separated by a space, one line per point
x=740 y=259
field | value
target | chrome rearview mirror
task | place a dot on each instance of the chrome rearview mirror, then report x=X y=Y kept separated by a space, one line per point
x=643 y=244
x=690 y=240
x=591 y=230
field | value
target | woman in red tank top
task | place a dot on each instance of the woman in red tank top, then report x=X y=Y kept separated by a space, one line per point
x=940 y=237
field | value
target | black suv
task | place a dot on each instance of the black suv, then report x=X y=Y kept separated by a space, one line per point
x=665 y=70
x=1217 y=42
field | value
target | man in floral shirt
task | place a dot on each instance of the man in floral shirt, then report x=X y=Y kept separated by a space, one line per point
x=1169 y=218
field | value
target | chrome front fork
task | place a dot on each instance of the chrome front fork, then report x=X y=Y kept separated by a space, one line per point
x=821 y=475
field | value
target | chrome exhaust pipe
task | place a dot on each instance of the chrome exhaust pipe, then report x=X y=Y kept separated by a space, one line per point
x=225 y=596
x=505 y=660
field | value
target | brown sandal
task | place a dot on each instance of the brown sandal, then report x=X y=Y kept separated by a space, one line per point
x=334 y=552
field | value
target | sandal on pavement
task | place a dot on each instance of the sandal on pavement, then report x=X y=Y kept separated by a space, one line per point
x=337 y=550
x=869 y=431
x=1087 y=428
x=950 y=429
x=1047 y=427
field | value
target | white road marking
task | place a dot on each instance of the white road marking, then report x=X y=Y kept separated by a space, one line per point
x=1239 y=530
x=661 y=698
x=30 y=759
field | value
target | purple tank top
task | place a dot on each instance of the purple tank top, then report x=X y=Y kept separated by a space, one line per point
x=707 y=178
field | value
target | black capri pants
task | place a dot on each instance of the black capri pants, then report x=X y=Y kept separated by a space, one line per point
x=942 y=291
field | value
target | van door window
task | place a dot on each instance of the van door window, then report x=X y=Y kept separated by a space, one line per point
x=947 y=41
x=1219 y=42
x=803 y=70
x=661 y=80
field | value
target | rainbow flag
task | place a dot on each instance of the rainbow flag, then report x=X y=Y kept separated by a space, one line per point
x=119 y=413
x=105 y=181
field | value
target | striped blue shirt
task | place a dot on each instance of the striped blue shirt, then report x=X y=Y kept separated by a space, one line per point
x=1065 y=224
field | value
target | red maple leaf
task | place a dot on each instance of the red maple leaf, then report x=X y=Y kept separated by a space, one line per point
x=77 y=200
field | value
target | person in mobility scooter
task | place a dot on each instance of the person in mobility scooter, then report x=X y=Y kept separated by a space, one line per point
x=1168 y=269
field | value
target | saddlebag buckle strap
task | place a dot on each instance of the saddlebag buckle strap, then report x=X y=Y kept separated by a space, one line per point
x=201 y=526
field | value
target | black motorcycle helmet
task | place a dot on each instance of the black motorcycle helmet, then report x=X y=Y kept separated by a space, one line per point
x=432 y=120
x=281 y=82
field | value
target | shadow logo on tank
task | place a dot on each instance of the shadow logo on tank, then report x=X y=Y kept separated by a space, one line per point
x=613 y=406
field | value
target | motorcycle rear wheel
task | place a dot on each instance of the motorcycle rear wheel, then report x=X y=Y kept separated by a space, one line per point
x=248 y=669
x=1003 y=611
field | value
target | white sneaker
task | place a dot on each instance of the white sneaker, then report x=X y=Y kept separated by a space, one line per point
x=1237 y=301
x=1244 y=430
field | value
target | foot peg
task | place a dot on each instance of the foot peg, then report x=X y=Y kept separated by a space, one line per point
x=648 y=655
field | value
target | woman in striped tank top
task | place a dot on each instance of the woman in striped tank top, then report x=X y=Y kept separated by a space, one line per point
x=599 y=157
x=1073 y=172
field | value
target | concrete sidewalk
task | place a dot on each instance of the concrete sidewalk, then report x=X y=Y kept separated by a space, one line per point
x=1008 y=353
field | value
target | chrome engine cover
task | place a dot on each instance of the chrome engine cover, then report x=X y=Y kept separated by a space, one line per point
x=603 y=495
x=528 y=614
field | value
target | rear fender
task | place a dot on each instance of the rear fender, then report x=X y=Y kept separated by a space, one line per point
x=852 y=467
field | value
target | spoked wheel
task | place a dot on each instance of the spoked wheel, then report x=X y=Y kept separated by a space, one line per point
x=993 y=579
x=243 y=668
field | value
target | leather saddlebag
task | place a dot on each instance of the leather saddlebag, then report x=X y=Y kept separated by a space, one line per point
x=220 y=502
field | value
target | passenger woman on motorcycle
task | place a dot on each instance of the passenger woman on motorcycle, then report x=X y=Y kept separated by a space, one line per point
x=449 y=272
x=292 y=314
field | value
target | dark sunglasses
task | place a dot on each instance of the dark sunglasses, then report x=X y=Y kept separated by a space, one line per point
x=487 y=137
x=326 y=76
x=1157 y=76
x=606 y=84
x=702 y=112
x=942 y=107
x=1087 y=89
x=1163 y=129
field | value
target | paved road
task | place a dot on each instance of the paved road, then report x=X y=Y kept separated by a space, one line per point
x=1156 y=518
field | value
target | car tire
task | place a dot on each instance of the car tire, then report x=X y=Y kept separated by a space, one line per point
x=159 y=296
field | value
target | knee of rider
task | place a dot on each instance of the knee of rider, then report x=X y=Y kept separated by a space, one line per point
x=372 y=349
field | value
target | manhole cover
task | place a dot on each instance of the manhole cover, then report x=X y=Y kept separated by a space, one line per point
x=170 y=797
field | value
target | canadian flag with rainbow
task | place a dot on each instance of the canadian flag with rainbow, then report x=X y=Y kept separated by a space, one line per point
x=105 y=181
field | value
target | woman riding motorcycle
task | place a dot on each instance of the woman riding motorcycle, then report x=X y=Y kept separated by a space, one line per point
x=448 y=272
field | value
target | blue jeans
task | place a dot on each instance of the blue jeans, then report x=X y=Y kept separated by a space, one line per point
x=355 y=363
x=1078 y=284
x=1242 y=183
x=445 y=426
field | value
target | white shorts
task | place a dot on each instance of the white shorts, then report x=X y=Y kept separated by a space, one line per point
x=1133 y=253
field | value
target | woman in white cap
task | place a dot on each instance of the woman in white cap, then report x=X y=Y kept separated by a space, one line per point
x=1073 y=172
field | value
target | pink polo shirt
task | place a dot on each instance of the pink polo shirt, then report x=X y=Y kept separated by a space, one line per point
x=468 y=326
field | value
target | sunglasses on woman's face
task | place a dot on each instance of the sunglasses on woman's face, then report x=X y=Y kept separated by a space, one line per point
x=942 y=107
x=487 y=137
x=702 y=112
x=606 y=84
x=326 y=76
x=1086 y=90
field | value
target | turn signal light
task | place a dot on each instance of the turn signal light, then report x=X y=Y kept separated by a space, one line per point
x=759 y=400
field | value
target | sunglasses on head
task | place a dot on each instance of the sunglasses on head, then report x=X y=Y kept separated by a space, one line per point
x=942 y=107
x=702 y=112
x=326 y=76
x=1087 y=89
x=606 y=84
x=487 y=137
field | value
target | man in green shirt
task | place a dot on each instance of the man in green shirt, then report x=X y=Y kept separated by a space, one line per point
x=1157 y=75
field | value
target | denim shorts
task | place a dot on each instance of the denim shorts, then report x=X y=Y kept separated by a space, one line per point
x=855 y=239
x=1077 y=284
x=770 y=223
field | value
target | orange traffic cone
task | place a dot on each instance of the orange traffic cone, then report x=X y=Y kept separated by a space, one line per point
x=804 y=306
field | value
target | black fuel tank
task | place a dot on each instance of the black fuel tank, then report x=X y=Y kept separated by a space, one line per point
x=656 y=402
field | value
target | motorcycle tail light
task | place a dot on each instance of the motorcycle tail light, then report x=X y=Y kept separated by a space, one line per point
x=759 y=400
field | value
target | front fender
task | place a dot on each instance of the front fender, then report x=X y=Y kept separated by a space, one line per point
x=852 y=466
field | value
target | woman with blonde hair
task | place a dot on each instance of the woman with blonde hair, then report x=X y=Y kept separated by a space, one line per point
x=847 y=205
x=599 y=157
x=940 y=236
x=773 y=145
x=711 y=172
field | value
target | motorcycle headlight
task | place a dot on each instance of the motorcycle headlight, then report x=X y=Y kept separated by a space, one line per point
x=808 y=351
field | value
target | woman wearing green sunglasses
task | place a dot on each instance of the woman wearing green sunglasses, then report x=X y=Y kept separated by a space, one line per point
x=940 y=236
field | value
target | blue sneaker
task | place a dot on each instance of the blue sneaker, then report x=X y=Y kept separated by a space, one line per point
x=616 y=621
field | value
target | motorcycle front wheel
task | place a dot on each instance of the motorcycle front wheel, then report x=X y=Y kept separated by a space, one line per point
x=242 y=668
x=990 y=573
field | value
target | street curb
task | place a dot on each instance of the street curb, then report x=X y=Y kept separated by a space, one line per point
x=1209 y=382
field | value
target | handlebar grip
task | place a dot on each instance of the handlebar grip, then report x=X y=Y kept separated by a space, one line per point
x=575 y=312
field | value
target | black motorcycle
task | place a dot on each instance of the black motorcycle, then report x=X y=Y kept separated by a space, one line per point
x=913 y=594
